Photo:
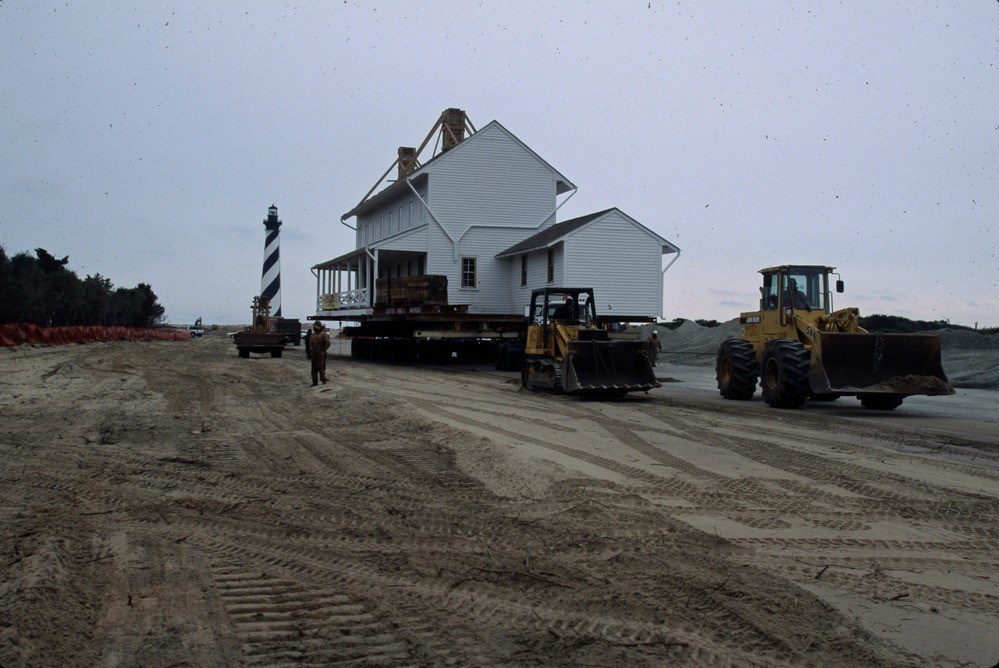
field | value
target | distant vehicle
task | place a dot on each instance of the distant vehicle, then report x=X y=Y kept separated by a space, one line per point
x=196 y=329
x=291 y=328
x=262 y=336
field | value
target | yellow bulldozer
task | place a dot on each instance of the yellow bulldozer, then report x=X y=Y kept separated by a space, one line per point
x=568 y=350
x=800 y=348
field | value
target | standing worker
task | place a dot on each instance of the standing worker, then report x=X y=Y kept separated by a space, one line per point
x=317 y=344
x=655 y=345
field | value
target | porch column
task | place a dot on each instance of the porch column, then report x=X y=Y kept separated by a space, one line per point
x=374 y=278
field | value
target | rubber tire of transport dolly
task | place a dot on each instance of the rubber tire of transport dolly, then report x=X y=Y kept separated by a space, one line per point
x=736 y=369
x=500 y=357
x=784 y=374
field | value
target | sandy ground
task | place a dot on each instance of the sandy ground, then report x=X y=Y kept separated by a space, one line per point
x=171 y=504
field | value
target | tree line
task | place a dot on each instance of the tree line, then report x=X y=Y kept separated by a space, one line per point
x=40 y=289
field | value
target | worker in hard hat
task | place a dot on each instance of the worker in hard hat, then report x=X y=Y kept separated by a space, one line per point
x=318 y=343
x=655 y=346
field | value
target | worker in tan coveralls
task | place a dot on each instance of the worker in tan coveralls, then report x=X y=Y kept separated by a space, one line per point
x=655 y=346
x=318 y=344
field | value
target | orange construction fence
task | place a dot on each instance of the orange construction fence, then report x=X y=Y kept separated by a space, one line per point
x=15 y=335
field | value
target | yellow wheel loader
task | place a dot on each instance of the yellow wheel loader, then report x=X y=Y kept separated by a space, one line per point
x=568 y=351
x=800 y=348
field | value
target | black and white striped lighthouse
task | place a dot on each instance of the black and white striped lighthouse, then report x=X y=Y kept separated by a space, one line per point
x=270 y=278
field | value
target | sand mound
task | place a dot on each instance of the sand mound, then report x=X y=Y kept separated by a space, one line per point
x=693 y=338
x=963 y=339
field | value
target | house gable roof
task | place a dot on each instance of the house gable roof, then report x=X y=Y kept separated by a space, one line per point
x=382 y=196
x=562 y=184
x=551 y=235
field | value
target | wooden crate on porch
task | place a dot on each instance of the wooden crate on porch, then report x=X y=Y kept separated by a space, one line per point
x=411 y=290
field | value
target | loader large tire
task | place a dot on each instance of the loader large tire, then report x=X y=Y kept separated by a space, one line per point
x=784 y=374
x=736 y=369
x=881 y=402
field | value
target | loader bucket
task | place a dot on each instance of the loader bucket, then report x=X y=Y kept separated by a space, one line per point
x=900 y=364
x=607 y=367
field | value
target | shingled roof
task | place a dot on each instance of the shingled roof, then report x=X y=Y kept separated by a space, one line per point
x=545 y=237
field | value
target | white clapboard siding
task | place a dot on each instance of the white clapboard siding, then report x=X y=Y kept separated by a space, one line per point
x=626 y=281
x=414 y=240
x=491 y=180
x=492 y=291
x=486 y=194
x=391 y=218
x=537 y=276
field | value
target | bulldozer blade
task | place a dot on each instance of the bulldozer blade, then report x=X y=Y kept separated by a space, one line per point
x=901 y=364
x=607 y=367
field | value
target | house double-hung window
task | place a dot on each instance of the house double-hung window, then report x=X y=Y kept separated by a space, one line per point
x=469 y=275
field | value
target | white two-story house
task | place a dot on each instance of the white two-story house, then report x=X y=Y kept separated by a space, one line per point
x=483 y=214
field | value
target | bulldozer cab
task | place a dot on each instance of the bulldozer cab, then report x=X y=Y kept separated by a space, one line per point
x=575 y=305
x=556 y=316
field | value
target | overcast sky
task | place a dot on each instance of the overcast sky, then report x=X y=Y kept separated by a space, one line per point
x=147 y=139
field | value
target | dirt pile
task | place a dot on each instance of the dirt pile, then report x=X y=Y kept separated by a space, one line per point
x=970 y=359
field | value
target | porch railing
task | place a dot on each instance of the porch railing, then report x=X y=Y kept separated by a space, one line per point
x=351 y=299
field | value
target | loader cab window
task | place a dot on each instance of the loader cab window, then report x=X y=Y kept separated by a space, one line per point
x=769 y=292
x=805 y=289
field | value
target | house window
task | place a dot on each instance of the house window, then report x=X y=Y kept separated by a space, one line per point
x=468 y=278
x=523 y=270
x=551 y=265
